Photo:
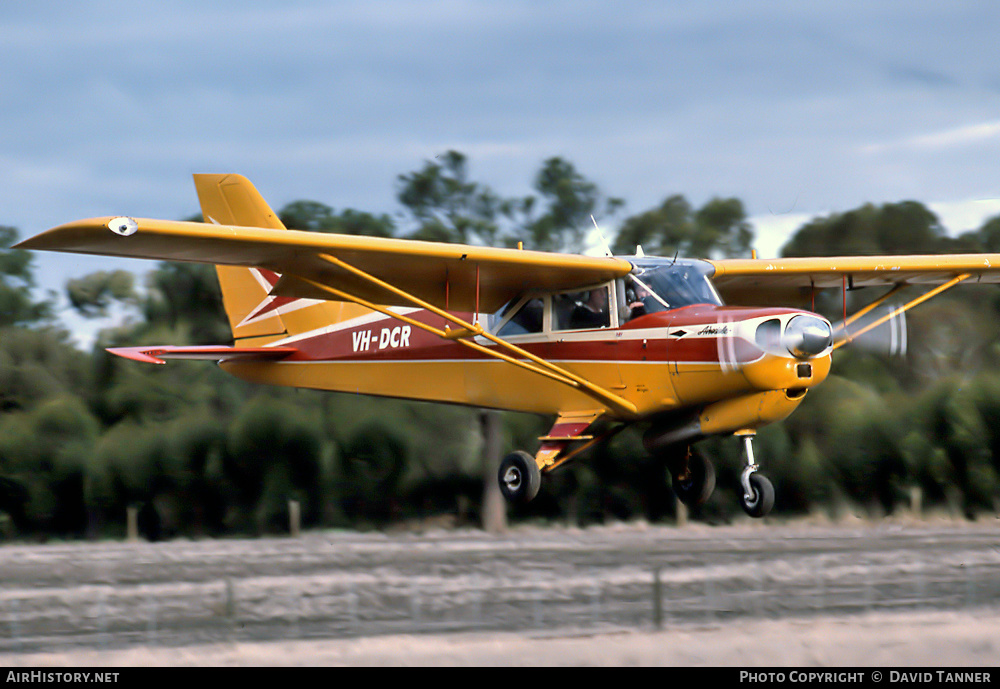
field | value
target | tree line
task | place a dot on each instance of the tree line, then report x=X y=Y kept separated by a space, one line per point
x=84 y=435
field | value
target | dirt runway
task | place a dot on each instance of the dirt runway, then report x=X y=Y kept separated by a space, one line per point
x=752 y=594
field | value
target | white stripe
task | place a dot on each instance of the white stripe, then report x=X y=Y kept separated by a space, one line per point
x=498 y=361
x=262 y=281
x=373 y=317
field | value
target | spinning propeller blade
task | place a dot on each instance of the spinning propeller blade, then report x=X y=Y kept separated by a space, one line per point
x=881 y=331
x=726 y=360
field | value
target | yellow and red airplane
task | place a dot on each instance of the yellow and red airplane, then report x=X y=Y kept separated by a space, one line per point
x=599 y=342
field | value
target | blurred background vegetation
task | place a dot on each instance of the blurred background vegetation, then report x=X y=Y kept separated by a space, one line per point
x=84 y=435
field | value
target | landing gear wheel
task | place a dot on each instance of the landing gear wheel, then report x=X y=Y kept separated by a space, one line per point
x=694 y=480
x=519 y=477
x=762 y=500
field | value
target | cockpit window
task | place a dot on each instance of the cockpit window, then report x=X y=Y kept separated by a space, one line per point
x=662 y=285
x=581 y=310
x=527 y=318
x=640 y=299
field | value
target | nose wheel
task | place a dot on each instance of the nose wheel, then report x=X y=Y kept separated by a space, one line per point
x=758 y=493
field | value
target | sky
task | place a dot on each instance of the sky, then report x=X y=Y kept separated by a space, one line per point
x=798 y=109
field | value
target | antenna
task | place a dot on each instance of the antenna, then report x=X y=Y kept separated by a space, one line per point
x=607 y=248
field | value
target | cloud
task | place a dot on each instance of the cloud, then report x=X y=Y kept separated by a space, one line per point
x=110 y=105
x=962 y=216
x=771 y=232
x=944 y=139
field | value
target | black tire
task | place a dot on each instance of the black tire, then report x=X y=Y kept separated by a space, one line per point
x=519 y=477
x=694 y=480
x=762 y=500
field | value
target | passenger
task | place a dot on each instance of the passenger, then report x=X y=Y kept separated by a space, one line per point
x=592 y=313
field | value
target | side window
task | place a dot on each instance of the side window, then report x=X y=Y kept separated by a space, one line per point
x=527 y=319
x=581 y=310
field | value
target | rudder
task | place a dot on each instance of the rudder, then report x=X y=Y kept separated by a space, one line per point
x=255 y=315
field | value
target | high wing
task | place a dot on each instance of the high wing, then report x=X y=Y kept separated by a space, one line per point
x=739 y=280
x=449 y=276
x=374 y=273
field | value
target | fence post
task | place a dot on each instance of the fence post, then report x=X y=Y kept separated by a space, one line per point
x=294 y=518
x=657 y=599
x=132 y=523
x=15 y=622
x=682 y=513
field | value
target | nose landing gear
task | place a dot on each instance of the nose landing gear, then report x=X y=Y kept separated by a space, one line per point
x=758 y=493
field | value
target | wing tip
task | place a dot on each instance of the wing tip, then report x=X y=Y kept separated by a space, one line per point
x=156 y=354
x=54 y=239
x=146 y=355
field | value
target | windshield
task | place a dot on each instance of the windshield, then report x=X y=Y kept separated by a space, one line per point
x=658 y=285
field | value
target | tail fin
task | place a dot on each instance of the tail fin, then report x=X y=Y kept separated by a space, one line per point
x=255 y=315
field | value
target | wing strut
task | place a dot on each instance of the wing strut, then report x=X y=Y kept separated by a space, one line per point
x=468 y=330
x=906 y=307
x=875 y=304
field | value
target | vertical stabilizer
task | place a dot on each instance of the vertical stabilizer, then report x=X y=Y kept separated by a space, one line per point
x=255 y=315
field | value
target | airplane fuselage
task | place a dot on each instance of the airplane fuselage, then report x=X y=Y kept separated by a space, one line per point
x=694 y=357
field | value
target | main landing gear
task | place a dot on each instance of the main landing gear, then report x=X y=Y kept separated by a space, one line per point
x=519 y=477
x=693 y=479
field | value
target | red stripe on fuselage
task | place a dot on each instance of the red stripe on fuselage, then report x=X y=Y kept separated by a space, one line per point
x=648 y=338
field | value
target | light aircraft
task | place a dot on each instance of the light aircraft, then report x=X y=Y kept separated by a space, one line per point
x=600 y=343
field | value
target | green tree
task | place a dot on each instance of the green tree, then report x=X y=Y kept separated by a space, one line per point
x=719 y=228
x=661 y=231
x=274 y=453
x=17 y=306
x=135 y=465
x=985 y=239
x=186 y=296
x=318 y=217
x=867 y=457
x=373 y=461
x=446 y=206
x=37 y=364
x=311 y=216
x=722 y=228
x=91 y=295
x=43 y=458
x=569 y=199
x=955 y=424
x=907 y=227
x=199 y=441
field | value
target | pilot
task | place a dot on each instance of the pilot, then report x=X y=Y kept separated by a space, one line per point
x=592 y=313
x=639 y=299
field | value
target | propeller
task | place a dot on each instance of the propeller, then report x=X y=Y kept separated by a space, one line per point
x=803 y=336
x=882 y=330
x=879 y=329
x=727 y=345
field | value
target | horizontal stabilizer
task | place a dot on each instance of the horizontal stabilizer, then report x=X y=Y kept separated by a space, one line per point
x=157 y=354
